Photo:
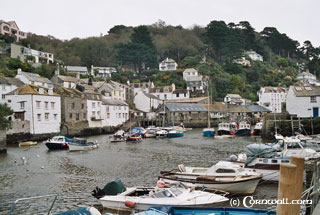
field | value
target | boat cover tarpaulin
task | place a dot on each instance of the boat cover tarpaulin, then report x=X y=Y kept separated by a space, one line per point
x=81 y=211
x=114 y=187
x=259 y=151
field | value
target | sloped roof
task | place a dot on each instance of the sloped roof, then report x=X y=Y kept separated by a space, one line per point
x=34 y=77
x=160 y=89
x=29 y=89
x=186 y=108
x=190 y=70
x=275 y=89
x=62 y=90
x=189 y=100
x=180 y=91
x=168 y=60
x=68 y=78
x=194 y=78
x=216 y=107
x=77 y=69
x=306 y=91
x=114 y=102
x=11 y=81
x=151 y=96
x=234 y=96
x=257 y=108
x=239 y=109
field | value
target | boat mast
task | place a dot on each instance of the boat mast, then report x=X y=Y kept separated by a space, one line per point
x=208 y=104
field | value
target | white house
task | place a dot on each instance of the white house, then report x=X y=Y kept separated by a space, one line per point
x=110 y=90
x=96 y=110
x=194 y=81
x=234 y=99
x=254 y=55
x=34 y=79
x=304 y=101
x=168 y=65
x=22 y=54
x=242 y=61
x=102 y=72
x=146 y=102
x=272 y=98
x=65 y=81
x=38 y=105
x=307 y=77
x=117 y=112
x=8 y=85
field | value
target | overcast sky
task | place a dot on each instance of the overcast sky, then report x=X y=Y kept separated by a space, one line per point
x=66 y=19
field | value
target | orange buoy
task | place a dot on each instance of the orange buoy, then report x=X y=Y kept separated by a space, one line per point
x=130 y=204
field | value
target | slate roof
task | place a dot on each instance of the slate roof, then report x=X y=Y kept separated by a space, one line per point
x=114 y=102
x=68 y=78
x=190 y=70
x=234 y=96
x=217 y=107
x=186 y=108
x=306 y=91
x=161 y=89
x=28 y=89
x=275 y=89
x=189 y=100
x=35 y=77
x=151 y=96
x=77 y=69
x=257 y=108
x=11 y=81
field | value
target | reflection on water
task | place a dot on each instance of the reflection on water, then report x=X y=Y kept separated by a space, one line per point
x=73 y=175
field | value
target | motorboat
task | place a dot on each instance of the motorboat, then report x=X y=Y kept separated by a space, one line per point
x=244 y=129
x=151 y=132
x=134 y=138
x=58 y=142
x=138 y=131
x=82 y=144
x=228 y=128
x=79 y=211
x=142 y=198
x=119 y=136
x=28 y=143
x=161 y=133
x=208 y=132
x=257 y=129
x=169 y=210
x=227 y=176
x=175 y=133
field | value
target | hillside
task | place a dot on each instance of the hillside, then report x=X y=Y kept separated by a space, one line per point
x=141 y=48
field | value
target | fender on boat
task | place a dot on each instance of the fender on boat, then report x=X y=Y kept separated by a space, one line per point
x=130 y=204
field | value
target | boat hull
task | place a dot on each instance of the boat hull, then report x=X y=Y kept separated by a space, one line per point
x=73 y=147
x=173 y=135
x=243 y=187
x=223 y=132
x=208 y=132
x=57 y=146
x=243 y=132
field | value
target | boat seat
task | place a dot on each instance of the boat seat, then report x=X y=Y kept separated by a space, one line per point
x=181 y=168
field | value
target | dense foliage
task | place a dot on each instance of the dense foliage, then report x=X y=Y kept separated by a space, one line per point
x=5 y=111
x=136 y=52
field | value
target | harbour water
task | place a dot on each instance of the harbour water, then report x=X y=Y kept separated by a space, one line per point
x=26 y=172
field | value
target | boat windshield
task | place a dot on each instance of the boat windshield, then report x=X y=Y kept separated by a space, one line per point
x=176 y=191
x=163 y=194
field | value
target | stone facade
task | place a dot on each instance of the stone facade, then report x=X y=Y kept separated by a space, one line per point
x=19 y=127
x=3 y=141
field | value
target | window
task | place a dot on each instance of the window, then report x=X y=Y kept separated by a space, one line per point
x=119 y=107
x=52 y=105
x=82 y=106
x=38 y=104
x=165 y=96
x=46 y=105
x=93 y=105
x=77 y=116
x=6 y=28
x=225 y=171
x=22 y=105
x=98 y=113
x=46 y=116
x=98 y=104
x=39 y=117
x=93 y=113
x=84 y=115
x=3 y=96
x=55 y=116
x=177 y=94
x=313 y=99
x=72 y=105
x=108 y=115
x=70 y=115
x=3 y=86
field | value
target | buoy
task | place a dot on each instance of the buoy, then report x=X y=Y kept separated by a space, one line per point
x=161 y=184
x=130 y=204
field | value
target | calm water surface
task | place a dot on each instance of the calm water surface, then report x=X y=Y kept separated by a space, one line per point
x=73 y=175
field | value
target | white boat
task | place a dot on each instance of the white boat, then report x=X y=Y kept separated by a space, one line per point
x=82 y=144
x=142 y=198
x=228 y=128
x=161 y=133
x=227 y=176
x=257 y=128
x=151 y=132
x=175 y=133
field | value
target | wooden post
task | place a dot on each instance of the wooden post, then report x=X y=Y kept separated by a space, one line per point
x=286 y=190
x=292 y=130
x=311 y=125
x=299 y=162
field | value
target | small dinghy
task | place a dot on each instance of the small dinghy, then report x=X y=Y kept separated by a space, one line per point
x=82 y=144
x=28 y=143
x=58 y=142
x=141 y=198
x=134 y=138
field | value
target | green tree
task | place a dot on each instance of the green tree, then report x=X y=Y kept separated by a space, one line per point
x=282 y=62
x=5 y=111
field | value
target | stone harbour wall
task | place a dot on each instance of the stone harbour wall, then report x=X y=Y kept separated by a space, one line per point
x=3 y=141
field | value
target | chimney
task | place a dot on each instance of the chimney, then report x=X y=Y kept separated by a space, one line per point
x=78 y=75
x=57 y=71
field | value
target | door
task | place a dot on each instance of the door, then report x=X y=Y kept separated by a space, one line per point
x=315 y=112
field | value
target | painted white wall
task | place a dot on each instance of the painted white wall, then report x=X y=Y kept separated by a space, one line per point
x=96 y=110
x=116 y=115
x=4 y=89
x=275 y=100
x=301 y=106
x=144 y=103
x=36 y=112
x=70 y=85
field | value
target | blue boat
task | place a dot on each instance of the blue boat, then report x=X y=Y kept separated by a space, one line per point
x=208 y=132
x=204 y=211
x=175 y=133
x=138 y=130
